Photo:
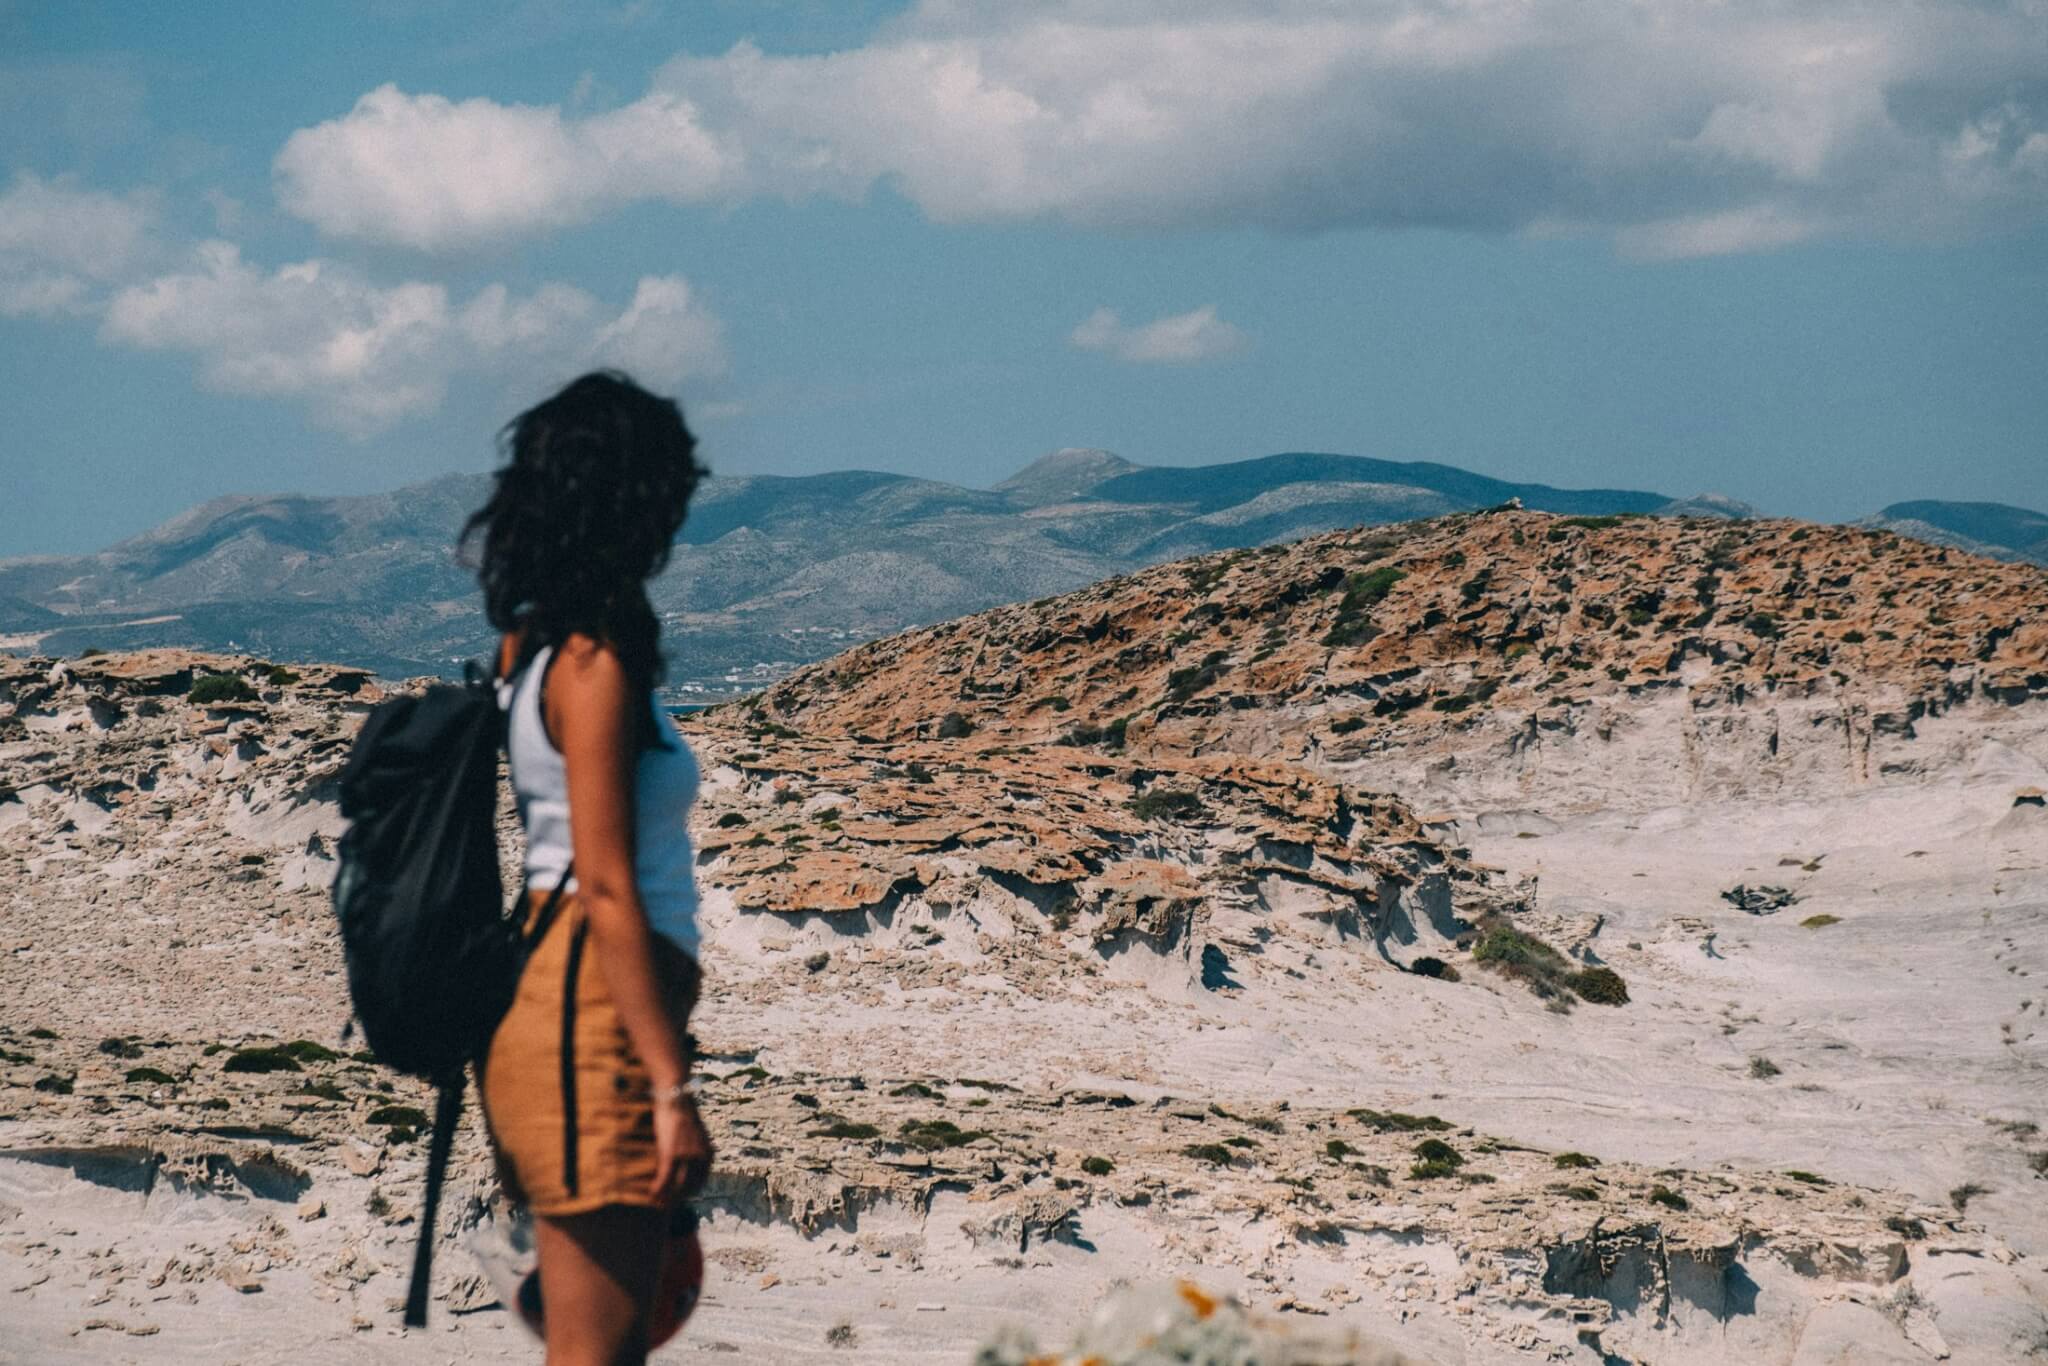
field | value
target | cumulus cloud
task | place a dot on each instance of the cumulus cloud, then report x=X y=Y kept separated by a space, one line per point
x=422 y=171
x=58 y=241
x=1177 y=340
x=364 y=356
x=1677 y=127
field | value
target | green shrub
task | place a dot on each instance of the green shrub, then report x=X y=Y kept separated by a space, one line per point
x=399 y=1116
x=1601 y=986
x=1167 y=804
x=1394 y=1122
x=843 y=1129
x=1820 y=922
x=1763 y=1069
x=1215 y=1154
x=119 y=1048
x=1428 y=966
x=1574 y=1160
x=1911 y=1229
x=1182 y=684
x=1807 y=1178
x=1504 y=946
x=1338 y=1149
x=954 y=726
x=918 y=1089
x=1344 y=725
x=1436 y=1150
x=261 y=1060
x=1432 y=1170
x=1362 y=591
x=54 y=1085
x=150 y=1076
x=280 y=676
x=731 y=819
x=1669 y=1198
x=211 y=689
x=1097 y=1166
x=1591 y=523
x=305 y=1050
x=930 y=1135
x=1570 y=1192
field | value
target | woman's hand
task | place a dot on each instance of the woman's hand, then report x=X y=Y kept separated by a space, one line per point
x=682 y=1150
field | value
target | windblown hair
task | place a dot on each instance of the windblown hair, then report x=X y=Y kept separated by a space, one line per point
x=595 y=485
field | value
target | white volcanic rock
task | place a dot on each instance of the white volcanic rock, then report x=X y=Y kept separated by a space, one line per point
x=994 y=1021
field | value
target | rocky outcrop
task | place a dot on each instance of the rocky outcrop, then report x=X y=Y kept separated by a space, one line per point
x=1634 y=659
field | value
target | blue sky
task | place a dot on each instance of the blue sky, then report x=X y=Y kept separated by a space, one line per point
x=1794 y=252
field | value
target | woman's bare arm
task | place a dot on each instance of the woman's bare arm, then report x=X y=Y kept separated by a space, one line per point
x=592 y=711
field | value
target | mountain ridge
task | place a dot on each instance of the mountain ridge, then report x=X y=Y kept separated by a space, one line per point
x=770 y=571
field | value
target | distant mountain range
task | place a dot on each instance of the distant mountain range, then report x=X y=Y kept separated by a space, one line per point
x=773 y=571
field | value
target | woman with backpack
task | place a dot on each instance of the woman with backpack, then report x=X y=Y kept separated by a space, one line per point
x=585 y=1083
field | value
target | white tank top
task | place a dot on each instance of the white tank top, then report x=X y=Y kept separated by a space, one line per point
x=665 y=786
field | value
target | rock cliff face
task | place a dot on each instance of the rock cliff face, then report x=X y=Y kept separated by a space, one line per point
x=1102 y=937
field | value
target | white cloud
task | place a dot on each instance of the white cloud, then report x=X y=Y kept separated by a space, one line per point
x=1670 y=122
x=58 y=240
x=422 y=171
x=663 y=336
x=364 y=356
x=1180 y=339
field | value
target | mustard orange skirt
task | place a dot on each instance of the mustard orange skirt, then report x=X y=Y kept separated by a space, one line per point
x=568 y=1102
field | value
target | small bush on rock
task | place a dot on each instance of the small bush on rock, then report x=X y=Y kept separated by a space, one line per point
x=1394 y=1122
x=1669 y=1198
x=1601 y=986
x=211 y=689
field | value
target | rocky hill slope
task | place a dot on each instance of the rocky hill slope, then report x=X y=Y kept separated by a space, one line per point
x=1484 y=655
x=1104 y=937
x=768 y=571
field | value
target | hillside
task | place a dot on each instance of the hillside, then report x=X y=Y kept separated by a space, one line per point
x=1996 y=529
x=769 y=571
x=1513 y=633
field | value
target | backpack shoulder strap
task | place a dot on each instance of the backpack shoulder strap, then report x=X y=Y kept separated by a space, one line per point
x=550 y=908
x=447 y=1112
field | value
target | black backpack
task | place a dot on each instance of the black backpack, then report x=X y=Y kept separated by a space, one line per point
x=432 y=956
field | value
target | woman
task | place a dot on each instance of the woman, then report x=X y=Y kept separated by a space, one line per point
x=584 y=1087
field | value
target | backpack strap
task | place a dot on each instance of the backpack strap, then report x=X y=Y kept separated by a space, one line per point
x=550 y=908
x=447 y=1115
x=447 y=1112
x=570 y=974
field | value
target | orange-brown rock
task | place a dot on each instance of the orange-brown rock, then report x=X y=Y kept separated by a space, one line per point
x=1360 y=640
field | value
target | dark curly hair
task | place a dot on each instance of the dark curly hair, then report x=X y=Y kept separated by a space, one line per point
x=595 y=485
